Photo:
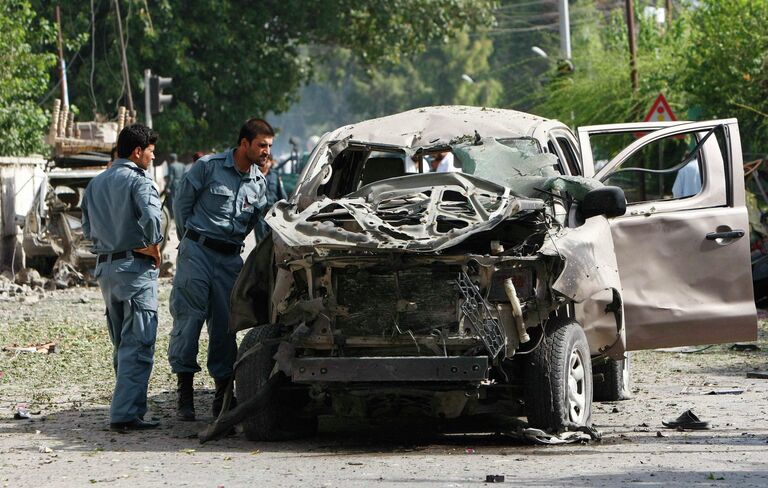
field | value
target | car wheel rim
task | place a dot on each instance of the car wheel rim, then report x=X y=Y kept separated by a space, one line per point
x=577 y=397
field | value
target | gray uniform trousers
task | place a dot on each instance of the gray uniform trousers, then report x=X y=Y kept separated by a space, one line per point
x=129 y=288
x=201 y=290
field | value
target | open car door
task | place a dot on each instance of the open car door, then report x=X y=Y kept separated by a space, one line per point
x=683 y=245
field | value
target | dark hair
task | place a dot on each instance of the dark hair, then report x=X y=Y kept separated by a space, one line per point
x=134 y=136
x=197 y=155
x=253 y=128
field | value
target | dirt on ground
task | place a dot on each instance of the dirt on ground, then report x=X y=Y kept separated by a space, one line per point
x=67 y=442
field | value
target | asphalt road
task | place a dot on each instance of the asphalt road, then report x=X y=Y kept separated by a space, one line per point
x=67 y=442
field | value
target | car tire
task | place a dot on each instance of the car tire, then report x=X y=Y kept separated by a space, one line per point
x=558 y=379
x=614 y=385
x=278 y=420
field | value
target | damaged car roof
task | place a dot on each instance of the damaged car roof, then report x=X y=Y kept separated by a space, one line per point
x=440 y=126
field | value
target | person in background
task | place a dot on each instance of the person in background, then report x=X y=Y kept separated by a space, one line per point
x=217 y=204
x=415 y=164
x=275 y=193
x=176 y=170
x=121 y=216
x=443 y=163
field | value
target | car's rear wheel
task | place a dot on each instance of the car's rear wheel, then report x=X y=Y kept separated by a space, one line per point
x=613 y=382
x=278 y=420
x=558 y=394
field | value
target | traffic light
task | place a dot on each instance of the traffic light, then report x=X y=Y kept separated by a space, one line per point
x=158 y=99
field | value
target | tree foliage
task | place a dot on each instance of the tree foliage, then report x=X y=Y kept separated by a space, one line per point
x=726 y=70
x=234 y=59
x=23 y=79
x=706 y=64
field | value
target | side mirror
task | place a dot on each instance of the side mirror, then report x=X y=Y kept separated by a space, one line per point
x=608 y=201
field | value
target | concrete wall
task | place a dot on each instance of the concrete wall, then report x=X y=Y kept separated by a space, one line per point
x=20 y=179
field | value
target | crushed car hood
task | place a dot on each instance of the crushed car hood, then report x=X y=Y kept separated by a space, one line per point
x=421 y=213
x=437 y=125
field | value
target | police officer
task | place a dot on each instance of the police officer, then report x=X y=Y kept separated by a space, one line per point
x=121 y=216
x=176 y=170
x=217 y=204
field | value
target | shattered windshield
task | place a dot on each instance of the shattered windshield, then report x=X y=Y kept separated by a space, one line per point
x=517 y=164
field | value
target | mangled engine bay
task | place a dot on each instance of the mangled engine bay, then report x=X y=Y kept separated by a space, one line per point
x=431 y=278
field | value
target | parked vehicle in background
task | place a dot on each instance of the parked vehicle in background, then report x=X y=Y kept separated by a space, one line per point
x=513 y=285
x=53 y=239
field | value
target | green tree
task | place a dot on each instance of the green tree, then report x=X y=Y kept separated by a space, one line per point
x=726 y=73
x=23 y=79
x=704 y=60
x=346 y=90
x=599 y=90
x=233 y=59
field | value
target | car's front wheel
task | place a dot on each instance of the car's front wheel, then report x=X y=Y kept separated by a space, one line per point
x=278 y=420
x=558 y=390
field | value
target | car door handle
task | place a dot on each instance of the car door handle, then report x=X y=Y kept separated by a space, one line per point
x=731 y=234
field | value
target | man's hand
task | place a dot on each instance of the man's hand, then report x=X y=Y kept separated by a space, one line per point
x=151 y=250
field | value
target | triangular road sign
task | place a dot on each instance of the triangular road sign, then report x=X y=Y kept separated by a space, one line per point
x=660 y=111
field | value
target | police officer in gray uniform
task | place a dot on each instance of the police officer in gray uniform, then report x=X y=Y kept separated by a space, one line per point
x=176 y=170
x=121 y=216
x=215 y=207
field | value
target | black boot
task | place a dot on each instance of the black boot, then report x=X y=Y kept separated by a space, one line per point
x=186 y=405
x=218 y=398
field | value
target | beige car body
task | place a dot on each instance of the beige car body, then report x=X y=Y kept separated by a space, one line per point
x=362 y=263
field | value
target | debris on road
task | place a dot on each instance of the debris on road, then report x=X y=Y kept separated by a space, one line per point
x=745 y=348
x=494 y=478
x=22 y=412
x=725 y=392
x=536 y=436
x=686 y=421
x=761 y=375
x=44 y=348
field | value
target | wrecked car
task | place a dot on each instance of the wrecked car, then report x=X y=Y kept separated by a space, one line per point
x=513 y=284
x=53 y=240
x=52 y=228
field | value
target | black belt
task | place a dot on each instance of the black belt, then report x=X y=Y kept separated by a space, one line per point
x=223 y=247
x=103 y=258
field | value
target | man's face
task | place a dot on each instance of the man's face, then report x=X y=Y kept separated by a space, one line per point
x=143 y=157
x=258 y=150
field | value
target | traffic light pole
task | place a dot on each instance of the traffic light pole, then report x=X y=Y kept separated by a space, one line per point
x=147 y=102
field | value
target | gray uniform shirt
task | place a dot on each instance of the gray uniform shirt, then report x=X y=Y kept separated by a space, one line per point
x=218 y=201
x=121 y=209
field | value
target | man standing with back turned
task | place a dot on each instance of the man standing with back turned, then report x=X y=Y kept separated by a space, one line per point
x=217 y=204
x=121 y=216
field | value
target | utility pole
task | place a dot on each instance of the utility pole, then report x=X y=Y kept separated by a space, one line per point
x=565 y=29
x=632 y=44
x=123 y=57
x=62 y=62
x=147 y=100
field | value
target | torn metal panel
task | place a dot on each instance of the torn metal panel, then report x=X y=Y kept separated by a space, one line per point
x=590 y=271
x=422 y=213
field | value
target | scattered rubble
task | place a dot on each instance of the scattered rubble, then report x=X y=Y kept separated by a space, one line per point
x=26 y=286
